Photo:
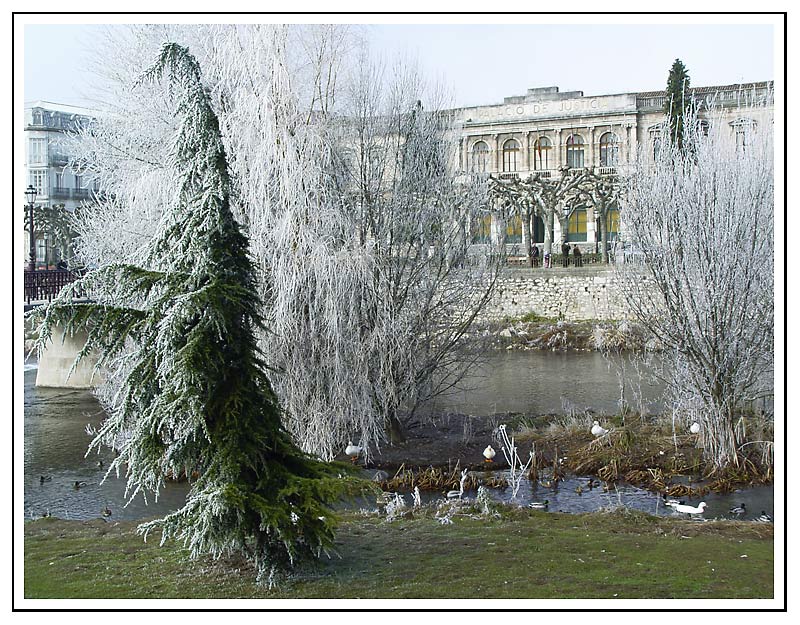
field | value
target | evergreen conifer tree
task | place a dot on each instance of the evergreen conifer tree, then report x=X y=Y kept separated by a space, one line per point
x=195 y=398
x=677 y=100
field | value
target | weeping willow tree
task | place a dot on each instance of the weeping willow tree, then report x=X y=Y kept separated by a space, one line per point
x=358 y=234
x=194 y=396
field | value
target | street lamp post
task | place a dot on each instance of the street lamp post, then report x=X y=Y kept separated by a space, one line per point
x=30 y=194
x=596 y=231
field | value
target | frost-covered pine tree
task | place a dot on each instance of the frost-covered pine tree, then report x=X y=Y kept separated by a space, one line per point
x=195 y=398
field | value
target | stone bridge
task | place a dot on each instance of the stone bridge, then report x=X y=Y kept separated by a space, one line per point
x=57 y=360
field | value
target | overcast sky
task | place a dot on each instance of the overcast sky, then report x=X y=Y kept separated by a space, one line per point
x=482 y=64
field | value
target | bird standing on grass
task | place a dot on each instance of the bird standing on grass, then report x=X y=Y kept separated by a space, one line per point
x=489 y=454
x=694 y=428
x=598 y=430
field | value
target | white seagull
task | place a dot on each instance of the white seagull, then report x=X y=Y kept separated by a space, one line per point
x=598 y=430
x=694 y=428
x=489 y=454
x=683 y=508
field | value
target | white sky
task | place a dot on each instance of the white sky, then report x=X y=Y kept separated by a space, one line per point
x=482 y=63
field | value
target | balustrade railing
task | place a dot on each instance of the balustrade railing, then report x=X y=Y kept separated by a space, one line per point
x=556 y=260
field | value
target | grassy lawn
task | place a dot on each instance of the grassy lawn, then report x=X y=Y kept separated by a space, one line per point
x=523 y=554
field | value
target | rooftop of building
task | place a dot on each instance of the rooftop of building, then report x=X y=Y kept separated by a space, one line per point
x=60 y=108
x=540 y=94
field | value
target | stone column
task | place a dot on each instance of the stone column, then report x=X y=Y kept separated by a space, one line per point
x=496 y=153
x=526 y=156
x=590 y=161
x=633 y=144
x=557 y=148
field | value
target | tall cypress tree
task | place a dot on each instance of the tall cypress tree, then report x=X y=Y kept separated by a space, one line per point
x=677 y=100
x=195 y=397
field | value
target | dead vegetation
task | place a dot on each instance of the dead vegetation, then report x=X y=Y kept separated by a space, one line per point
x=648 y=454
x=438 y=479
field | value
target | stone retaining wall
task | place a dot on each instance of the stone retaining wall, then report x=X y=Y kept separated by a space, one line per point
x=560 y=293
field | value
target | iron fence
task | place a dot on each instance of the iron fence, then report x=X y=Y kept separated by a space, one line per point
x=44 y=285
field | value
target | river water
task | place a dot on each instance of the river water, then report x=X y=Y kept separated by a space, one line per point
x=529 y=382
x=542 y=382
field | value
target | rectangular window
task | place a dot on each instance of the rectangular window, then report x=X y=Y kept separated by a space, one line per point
x=514 y=230
x=41 y=250
x=37 y=152
x=38 y=179
x=482 y=231
x=576 y=230
x=78 y=182
x=575 y=158
x=612 y=223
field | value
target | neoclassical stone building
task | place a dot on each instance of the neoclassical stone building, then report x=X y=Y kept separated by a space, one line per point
x=546 y=129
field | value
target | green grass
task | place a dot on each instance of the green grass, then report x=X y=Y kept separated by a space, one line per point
x=524 y=554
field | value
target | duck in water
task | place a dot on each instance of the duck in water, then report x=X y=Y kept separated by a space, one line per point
x=78 y=484
x=738 y=510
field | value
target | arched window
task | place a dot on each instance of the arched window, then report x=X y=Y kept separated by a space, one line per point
x=538 y=229
x=541 y=153
x=703 y=127
x=510 y=151
x=575 y=152
x=609 y=150
x=480 y=157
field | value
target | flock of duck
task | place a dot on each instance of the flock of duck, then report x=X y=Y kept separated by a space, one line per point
x=105 y=512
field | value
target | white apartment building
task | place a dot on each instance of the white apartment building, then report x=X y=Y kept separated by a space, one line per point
x=47 y=164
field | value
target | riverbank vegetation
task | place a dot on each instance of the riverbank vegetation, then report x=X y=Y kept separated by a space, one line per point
x=654 y=452
x=531 y=331
x=510 y=553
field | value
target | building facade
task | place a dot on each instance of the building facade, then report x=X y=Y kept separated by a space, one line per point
x=47 y=167
x=546 y=130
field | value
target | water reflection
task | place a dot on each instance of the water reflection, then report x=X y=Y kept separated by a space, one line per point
x=537 y=382
x=530 y=382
